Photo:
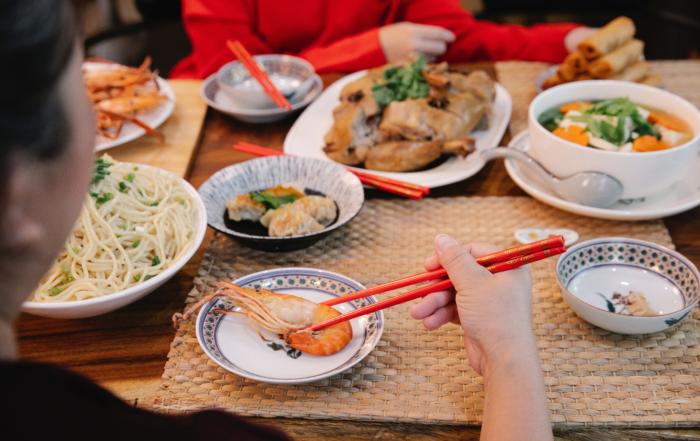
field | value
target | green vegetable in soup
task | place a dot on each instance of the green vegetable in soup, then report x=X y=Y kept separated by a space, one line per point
x=401 y=83
x=551 y=118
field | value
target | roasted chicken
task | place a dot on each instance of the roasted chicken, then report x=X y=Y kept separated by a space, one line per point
x=409 y=133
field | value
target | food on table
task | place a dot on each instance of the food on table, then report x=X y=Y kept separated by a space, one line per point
x=120 y=93
x=404 y=117
x=617 y=125
x=135 y=223
x=282 y=314
x=633 y=303
x=612 y=52
x=285 y=210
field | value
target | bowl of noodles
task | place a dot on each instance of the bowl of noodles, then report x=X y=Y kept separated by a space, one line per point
x=139 y=225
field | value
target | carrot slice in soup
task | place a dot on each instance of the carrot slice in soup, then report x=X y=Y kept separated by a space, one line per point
x=573 y=133
x=669 y=121
x=576 y=105
x=648 y=143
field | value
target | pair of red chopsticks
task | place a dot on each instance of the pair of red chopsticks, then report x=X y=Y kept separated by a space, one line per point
x=389 y=185
x=504 y=260
x=249 y=62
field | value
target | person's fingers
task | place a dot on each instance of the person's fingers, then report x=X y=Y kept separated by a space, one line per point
x=430 y=47
x=430 y=32
x=431 y=263
x=478 y=249
x=431 y=303
x=440 y=317
x=460 y=264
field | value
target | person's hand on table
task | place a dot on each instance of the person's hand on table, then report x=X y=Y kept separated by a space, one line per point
x=493 y=309
x=400 y=40
x=495 y=312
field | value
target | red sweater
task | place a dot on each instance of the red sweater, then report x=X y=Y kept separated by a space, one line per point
x=342 y=36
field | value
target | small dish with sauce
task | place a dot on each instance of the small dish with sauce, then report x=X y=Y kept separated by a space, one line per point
x=628 y=286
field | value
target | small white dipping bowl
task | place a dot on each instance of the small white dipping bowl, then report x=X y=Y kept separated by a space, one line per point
x=641 y=174
x=286 y=72
x=590 y=272
x=109 y=302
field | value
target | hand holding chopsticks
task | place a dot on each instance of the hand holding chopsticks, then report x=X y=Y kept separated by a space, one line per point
x=389 y=185
x=496 y=262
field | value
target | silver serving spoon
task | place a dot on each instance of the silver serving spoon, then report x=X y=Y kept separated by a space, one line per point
x=594 y=189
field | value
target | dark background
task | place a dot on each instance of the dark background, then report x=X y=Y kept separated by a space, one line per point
x=669 y=28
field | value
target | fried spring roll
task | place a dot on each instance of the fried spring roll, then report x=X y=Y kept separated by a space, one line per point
x=651 y=80
x=577 y=61
x=566 y=72
x=634 y=72
x=614 y=62
x=552 y=81
x=608 y=38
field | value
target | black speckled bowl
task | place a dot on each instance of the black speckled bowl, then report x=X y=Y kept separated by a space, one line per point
x=318 y=176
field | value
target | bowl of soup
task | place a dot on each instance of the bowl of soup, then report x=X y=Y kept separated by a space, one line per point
x=645 y=137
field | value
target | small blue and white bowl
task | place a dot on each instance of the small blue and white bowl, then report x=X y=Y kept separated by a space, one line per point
x=236 y=346
x=314 y=175
x=592 y=271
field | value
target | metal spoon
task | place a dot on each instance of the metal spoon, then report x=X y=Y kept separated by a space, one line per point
x=594 y=189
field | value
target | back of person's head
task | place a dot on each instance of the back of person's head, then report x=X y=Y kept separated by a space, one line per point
x=37 y=38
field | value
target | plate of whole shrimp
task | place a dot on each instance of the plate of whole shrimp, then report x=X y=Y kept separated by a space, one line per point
x=254 y=326
x=129 y=102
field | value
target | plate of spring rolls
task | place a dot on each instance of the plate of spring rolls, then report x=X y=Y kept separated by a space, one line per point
x=610 y=53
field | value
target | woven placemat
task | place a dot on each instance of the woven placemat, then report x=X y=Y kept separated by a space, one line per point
x=680 y=77
x=413 y=375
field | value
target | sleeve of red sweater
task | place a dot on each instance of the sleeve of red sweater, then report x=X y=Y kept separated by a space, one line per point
x=483 y=40
x=209 y=23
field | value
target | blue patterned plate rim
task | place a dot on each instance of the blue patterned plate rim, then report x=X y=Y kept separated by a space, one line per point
x=368 y=345
x=629 y=241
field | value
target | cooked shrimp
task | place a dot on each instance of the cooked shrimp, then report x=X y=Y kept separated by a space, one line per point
x=285 y=315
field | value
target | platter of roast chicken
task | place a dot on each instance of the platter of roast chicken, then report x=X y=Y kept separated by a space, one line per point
x=414 y=121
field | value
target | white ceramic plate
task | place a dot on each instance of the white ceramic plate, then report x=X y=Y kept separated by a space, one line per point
x=682 y=196
x=305 y=138
x=110 y=302
x=131 y=131
x=233 y=344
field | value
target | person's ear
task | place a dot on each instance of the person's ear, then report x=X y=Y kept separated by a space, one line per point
x=19 y=230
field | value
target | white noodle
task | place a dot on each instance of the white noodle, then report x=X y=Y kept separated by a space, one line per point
x=138 y=233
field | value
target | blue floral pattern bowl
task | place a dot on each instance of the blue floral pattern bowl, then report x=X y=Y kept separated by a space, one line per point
x=602 y=279
x=236 y=346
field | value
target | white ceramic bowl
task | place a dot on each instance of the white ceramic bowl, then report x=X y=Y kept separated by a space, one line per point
x=110 y=302
x=641 y=174
x=286 y=72
x=592 y=271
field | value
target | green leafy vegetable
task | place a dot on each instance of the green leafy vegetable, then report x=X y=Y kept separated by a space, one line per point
x=123 y=188
x=148 y=277
x=272 y=201
x=101 y=170
x=401 y=83
x=102 y=197
x=550 y=118
x=130 y=178
x=155 y=261
x=136 y=244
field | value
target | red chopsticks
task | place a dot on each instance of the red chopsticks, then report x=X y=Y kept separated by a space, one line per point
x=389 y=185
x=505 y=260
x=249 y=62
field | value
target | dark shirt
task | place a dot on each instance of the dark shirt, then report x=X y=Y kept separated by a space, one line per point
x=43 y=402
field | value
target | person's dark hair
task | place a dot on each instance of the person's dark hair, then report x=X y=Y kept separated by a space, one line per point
x=37 y=38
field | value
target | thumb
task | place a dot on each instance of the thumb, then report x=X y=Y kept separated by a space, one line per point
x=457 y=260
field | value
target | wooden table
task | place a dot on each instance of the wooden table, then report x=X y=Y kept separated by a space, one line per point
x=126 y=350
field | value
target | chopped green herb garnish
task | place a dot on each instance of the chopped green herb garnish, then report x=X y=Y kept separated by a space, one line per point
x=136 y=244
x=130 y=177
x=56 y=290
x=271 y=201
x=148 y=277
x=155 y=261
x=101 y=170
x=102 y=197
x=401 y=83
x=123 y=188
x=154 y=203
x=137 y=277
